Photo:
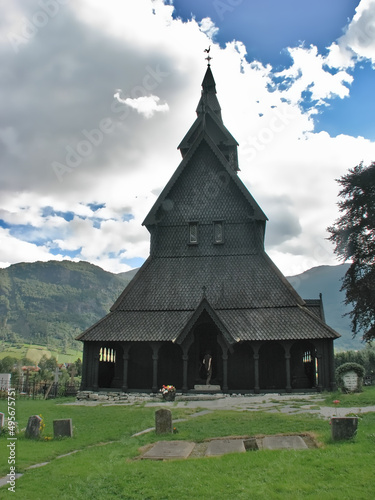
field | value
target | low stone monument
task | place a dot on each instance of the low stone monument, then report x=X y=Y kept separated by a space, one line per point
x=63 y=428
x=33 y=428
x=343 y=427
x=1 y=421
x=163 y=421
x=350 y=377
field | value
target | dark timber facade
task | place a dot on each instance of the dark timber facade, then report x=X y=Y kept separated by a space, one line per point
x=208 y=285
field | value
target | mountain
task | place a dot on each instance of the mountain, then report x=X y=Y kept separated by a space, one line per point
x=50 y=303
x=327 y=280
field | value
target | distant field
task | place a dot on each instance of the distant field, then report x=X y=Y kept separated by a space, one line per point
x=35 y=352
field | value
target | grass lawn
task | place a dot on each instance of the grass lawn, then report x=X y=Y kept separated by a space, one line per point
x=106 y=468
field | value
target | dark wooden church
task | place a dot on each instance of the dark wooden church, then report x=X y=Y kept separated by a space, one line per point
x=208 y=286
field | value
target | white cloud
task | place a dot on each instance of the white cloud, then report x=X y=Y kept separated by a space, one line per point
x=307 y=74
x=91 y=48
x=358 y=42
x=145 y=105
x=208 y=27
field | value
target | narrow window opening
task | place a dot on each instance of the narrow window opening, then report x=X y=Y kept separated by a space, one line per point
x=218 y=232
x=193 y=233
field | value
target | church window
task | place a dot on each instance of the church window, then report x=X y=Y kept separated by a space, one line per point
x=193 y=233
x=107 y=355
x=218 y=232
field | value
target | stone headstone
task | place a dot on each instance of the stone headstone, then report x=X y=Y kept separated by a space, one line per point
x=63 y=428
x=1 y=420
x=343 y=427
x=33 y=427
x=163 y=421
x=351 y=381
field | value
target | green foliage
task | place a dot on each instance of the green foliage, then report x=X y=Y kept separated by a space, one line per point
x=354 y=237
x=50 y=303
x=364 y=357
x=360 y=371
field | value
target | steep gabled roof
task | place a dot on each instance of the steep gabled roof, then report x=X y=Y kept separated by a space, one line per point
x=203 y=136
x=215 y=128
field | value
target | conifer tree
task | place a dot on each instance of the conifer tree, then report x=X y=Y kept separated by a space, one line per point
x=354 y=237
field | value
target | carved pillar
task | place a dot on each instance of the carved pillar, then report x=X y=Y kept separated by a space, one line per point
x=287 y=347
x=331 y=361
x=155 y=357
x=256 y=347
x=225 y=370
x=125 y=357
x=95 y=366
x=85 y=362
x=185 y=360
x=318 y=366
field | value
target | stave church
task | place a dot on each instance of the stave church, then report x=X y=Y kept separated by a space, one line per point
x=208 y=290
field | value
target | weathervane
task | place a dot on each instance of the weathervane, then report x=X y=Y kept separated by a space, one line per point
x=208 y=58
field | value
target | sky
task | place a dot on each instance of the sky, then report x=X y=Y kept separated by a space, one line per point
x=96 y=96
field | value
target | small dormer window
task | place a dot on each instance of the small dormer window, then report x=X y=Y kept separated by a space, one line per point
x=193 y=233
x=218 y=232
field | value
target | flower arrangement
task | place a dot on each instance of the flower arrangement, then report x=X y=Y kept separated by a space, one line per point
x=167 y=389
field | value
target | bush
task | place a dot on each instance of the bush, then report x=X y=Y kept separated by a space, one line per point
x=346 y=367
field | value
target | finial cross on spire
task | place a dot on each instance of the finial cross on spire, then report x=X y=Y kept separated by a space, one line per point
x=208 y=58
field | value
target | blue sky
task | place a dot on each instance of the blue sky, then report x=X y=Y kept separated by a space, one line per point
x=268 y=27
x=97 y=95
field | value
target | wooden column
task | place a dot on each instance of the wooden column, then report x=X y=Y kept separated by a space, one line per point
x=331 y=361
x=288 y=387
x=95 y=366
x=225 y=370
x=155 y=357
x=256 y=347
x=319 y=358
x=185 y=359
x=125 y=357
x=85 y=361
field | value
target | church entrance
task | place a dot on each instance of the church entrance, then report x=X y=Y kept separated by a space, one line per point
x=272 y=372
x=205 y=342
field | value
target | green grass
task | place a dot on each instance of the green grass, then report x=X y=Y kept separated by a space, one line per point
x=334 y=470
x=365 y=398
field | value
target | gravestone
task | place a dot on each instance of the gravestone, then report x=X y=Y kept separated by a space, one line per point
x=1 y=421
x=63 y=428
x=33 y=427
x=163 y=421
x=351 y=381
x=343 y=427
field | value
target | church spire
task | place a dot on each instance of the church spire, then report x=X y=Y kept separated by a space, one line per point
x=208 y=97
x=210 y=122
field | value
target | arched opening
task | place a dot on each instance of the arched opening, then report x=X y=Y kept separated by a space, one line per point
x=272 y=368
x=170 y=365
x=241 y=367
x=205 y=341
x=108 y=359
x=140 y=367
x=304 y=365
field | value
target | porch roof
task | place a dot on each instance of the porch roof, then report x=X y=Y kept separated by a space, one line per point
x=283 y=323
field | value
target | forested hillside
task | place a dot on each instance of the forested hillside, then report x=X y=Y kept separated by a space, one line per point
x=50 y=303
